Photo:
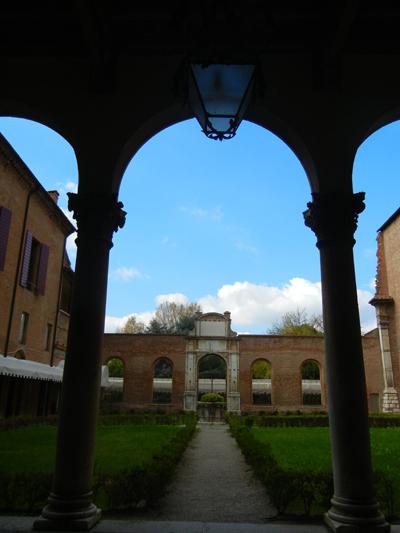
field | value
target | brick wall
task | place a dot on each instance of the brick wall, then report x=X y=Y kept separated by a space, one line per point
x=389 y=277
x=285 y=354
x=47 y=225
x=139 y=354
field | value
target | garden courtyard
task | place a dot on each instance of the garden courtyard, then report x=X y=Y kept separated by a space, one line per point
x=164 y=471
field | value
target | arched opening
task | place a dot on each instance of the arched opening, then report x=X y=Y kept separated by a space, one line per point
x=375 y=171
x=310 y=383
x=114 y=393
x=162 y=381
x=212 y=376
x=193 y=186
x=261 y=382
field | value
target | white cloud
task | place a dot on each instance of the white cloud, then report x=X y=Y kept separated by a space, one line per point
x=260 y=305
x=367 y=311
x=114 y=323
x=71 y=186
x=372 y=284
x=368 y=326
x=127 y=273
x=69 y=215
x=70 y=246
x=174 y=297
x=198 y=212
x=257 y=306
x=243 y=247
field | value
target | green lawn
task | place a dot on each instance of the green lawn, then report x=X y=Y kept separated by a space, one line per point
x=298 y=446
x=307 y=449
x=292 y=445
x=118 y=447
x=133 y=463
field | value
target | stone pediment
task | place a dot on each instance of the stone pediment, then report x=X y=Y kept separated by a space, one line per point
x=213 y=325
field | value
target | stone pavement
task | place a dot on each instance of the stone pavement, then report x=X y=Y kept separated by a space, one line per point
x=213 y=483
x=24 y=525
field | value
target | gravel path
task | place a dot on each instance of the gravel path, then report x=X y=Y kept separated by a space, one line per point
x=214 y=484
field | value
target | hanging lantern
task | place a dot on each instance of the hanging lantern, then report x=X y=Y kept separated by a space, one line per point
x=219 y=95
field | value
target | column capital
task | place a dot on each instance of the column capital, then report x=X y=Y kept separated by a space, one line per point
x=98 y=216
x=333 y=216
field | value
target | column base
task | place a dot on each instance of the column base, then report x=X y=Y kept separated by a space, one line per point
x=349 y=516
x=68 y=515
x=189 y=401
x=233 y=403
x=390 y=401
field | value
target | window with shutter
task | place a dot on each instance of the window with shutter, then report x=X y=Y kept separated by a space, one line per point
x=42 y=269
x=5 y=221
x=34 y=265
x=26 y=260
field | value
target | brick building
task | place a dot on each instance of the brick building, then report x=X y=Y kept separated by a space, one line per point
x=35 y=287
x=386 y=302
x=285 y=356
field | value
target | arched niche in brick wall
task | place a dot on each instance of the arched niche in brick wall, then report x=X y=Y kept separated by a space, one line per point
x=261 y=382
x=163 y=371
x=310 y=382
x=116 y=371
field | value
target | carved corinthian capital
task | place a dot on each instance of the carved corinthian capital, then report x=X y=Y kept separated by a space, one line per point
x=98 y=216
x=333 y=216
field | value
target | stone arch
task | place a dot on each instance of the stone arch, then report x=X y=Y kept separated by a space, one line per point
x=43 y=118
x=212 y=374
x=261 y=382
x=162 y=385
x=174 y=114
x=377 y=120
x=310 y=372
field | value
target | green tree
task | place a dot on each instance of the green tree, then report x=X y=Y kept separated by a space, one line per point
x=212 y=366
x=298 y=323
x=310 y=370
x=115 y=368
x=132 y=325
x=261 y=370
x=172 y=318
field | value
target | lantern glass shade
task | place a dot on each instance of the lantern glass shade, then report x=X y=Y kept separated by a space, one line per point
x=219 y=96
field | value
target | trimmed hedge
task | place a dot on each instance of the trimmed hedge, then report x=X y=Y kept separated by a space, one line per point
x=212 y=397
x=106 y=420
x=126 y=489
x=143 y=419
x=23 y=421
x=311 y=420
x=299 y=491
x=27 y=492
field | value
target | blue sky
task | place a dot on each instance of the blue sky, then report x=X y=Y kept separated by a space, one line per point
x=220 y=223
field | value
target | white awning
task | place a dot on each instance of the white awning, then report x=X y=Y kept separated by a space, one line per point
x=22 y=368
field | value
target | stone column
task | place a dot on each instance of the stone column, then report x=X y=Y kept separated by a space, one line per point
x=233 y=396
x=383 y=306
x=333 y=218
x=189 y=397
x=70 y=506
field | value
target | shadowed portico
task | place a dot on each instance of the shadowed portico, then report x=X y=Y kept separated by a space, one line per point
x=108 y=80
